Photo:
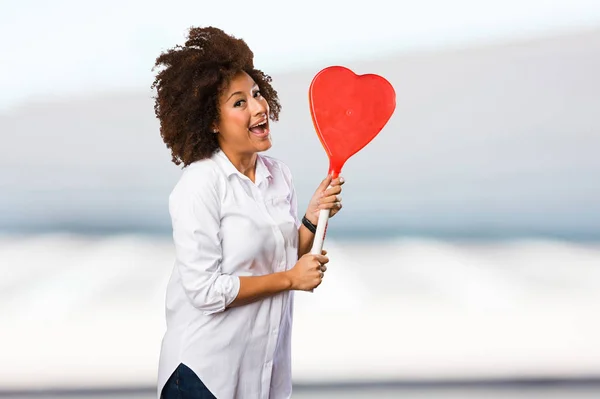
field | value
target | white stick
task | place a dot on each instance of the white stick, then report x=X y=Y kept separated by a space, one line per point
x=320 y=234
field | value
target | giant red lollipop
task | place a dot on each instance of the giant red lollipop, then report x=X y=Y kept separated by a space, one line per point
x=348 y=111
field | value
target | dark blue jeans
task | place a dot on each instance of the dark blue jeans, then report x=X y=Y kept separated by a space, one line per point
x=185 y=384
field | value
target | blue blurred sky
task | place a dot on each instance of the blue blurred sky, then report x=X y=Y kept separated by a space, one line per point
x=71 y=46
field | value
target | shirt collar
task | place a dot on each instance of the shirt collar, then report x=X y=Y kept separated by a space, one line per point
x=262 y=171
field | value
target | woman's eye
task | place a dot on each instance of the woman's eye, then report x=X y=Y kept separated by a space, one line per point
x=257 y=93
x=238 y=103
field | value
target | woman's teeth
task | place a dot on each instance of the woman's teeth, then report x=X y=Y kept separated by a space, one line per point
x=259 y=128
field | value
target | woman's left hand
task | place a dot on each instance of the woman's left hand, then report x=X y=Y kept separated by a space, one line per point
x=326 y=198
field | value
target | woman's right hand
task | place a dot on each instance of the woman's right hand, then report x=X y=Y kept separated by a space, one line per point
x=308 y=272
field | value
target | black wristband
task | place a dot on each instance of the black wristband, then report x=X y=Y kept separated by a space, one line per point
x=309 y=225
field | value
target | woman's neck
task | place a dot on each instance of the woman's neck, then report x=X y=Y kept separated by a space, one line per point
x=244 y=163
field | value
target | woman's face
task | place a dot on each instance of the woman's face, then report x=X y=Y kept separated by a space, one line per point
x=244 y=124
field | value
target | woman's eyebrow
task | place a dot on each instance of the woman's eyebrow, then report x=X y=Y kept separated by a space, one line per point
x=255 y=87
x=233 y=94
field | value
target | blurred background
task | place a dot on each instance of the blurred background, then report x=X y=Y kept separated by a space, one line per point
x=466 y=263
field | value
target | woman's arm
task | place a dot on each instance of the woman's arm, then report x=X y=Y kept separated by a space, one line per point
x=306 y=275
x=254 y=288
x=305 y=240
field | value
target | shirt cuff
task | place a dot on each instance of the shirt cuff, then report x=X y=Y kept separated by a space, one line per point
x=229 y=287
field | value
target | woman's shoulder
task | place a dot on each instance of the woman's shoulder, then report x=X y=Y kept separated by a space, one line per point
x=198 y=183
x=206 y=166
x=198 y=176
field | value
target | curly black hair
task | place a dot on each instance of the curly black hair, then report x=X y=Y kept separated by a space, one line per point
x=189 y=85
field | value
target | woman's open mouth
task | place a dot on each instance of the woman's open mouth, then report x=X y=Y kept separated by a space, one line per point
x=260 y=129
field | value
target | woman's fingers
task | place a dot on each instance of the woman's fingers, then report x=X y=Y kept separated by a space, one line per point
x=331 y=191
x=338 y=181
x=331 y=205
x=319 y=267
x=331 y=198
x=322 y=259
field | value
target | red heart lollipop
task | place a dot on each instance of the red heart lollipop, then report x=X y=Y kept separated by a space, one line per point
x=348 y=111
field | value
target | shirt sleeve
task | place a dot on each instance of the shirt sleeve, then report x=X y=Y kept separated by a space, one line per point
x=195 y=216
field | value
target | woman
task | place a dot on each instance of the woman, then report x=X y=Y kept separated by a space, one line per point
x=240 y=248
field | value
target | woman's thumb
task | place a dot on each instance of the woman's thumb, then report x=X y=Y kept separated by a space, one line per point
x=325 y=183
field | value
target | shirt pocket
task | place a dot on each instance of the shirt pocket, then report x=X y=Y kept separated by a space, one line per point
x=280 y=208
x=279 y=201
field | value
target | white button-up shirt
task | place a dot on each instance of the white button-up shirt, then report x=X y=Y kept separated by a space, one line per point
x=226 y=226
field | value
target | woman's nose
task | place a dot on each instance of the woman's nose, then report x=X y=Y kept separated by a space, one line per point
x=259 y=106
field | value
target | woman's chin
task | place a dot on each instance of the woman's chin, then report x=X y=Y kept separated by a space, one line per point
x=266 y=144
x=263 y=144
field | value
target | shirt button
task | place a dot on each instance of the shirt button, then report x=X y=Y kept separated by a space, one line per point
x=274 y=331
